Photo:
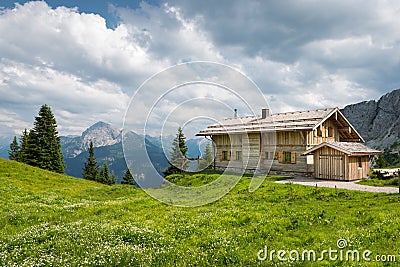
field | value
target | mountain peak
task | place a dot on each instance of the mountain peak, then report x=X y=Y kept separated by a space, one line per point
x=100 y=124
x=102 y=134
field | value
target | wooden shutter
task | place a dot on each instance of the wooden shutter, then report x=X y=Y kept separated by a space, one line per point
x=229 y=155
x=293 y=157
x=221 y=155
x=280 y=157
x=235 y=155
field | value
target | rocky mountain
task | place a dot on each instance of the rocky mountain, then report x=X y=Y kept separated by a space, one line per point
x=107 y=141
x=377 y=121
x=101 y=133
x=114 y=156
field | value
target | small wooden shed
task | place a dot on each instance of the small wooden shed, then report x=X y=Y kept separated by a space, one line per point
x=341 y=160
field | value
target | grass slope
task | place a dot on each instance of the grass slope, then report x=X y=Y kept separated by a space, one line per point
x=48 y=219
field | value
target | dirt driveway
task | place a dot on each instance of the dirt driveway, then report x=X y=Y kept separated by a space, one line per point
x=351 y=185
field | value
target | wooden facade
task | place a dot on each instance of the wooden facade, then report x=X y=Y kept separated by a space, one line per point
x=341 y=160
x=279 y=143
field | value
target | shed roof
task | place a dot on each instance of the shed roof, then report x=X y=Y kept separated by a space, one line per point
x=288 y=121
x=349 y=148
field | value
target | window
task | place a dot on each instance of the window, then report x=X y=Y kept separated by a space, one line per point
x=224 y=155
x=238 y=155
x=288 y=157
x=330 y=132
x=359 y=162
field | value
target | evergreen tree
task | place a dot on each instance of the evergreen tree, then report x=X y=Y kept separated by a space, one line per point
x=23 y=150
x=207 y=158
x=91 y=169
x=178 y=161
x=128 y=178
x=14 y=150
x=32 y=149
x=48 y=148
x=104 y=175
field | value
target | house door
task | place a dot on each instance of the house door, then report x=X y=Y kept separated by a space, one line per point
x=331 y=167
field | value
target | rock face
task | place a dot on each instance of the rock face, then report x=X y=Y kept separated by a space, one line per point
x=378 y=122
x=101 y=133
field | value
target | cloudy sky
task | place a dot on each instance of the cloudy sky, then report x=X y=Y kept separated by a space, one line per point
x=87 y=58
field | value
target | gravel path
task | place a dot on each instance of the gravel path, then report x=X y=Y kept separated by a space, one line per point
x=351 y=185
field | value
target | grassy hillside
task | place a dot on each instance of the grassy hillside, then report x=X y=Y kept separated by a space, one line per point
x=50 y=219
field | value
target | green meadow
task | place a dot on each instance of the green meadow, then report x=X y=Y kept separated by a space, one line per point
x=49 y=219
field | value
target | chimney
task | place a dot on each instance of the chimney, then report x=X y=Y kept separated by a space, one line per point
x=235 y=113
x=264 y=113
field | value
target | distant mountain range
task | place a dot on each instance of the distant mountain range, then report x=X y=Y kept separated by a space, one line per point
x=107 y=141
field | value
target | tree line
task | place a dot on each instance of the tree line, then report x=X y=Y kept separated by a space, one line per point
x=92 y=171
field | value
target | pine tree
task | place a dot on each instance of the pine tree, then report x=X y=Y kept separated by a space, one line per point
x=32 y=150
x=23 y=150
x=128 y=178
x=47 y=140
x=14 y=150
x=178 y=161
x=91 y=169
x=207 y=158
x=104 y=175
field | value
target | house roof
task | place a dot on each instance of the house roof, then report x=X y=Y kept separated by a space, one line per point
x=288 y=121
x=349 y=148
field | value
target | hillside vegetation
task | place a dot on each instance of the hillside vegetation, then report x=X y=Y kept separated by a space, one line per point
x=52 y=219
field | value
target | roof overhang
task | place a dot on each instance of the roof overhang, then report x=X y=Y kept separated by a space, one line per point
x=348 y=152
x=258 y=130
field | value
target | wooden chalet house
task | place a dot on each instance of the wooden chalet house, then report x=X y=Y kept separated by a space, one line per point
x=320 y=143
